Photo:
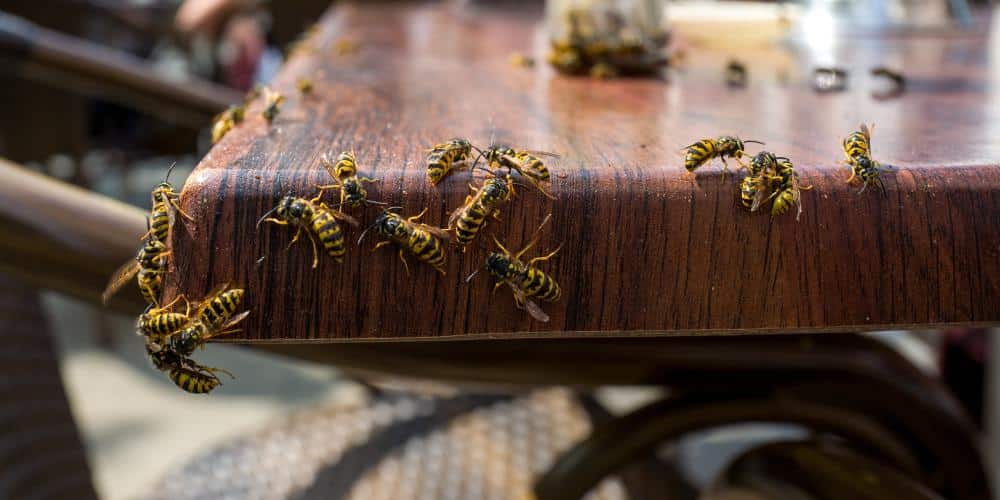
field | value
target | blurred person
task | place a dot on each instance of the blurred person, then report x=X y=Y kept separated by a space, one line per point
x=238 y=29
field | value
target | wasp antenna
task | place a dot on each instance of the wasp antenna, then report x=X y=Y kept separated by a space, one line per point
x=754 y=142
x=269 y=212
x=473 y=275
x=171 y=169
x=393 y=209
x=371 y=202
x=364 y=233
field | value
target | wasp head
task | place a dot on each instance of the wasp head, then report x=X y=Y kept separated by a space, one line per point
x=388 y=224
x=500 y=265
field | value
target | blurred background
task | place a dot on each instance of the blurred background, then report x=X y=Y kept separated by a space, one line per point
x=107 y=94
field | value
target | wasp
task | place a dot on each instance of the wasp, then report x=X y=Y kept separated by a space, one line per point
x=164 y=203
x=226 y=121
x=345 y=175
x=525 y=280
x=857 y=149
x=317 y=220
x=443 y=158
x=304 y=85
x=215 y=316
x=468 y=219
x=272 y=104
x=526 y=163
x=149 y=265
x=786 y=188
x=754 y=187
x=160 y=321
x=701 y=152
x=184 y=372
x=419 y=239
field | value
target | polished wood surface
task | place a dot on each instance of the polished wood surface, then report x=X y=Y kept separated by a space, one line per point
x=647 y=247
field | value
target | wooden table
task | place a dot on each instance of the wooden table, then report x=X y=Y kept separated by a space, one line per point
x=648 y=249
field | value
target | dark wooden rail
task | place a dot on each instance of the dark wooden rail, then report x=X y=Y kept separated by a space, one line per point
x=648 y=248
x=45 y=56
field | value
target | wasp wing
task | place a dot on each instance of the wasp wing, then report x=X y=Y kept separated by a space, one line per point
x=121 y=275
x=541 y=153
x=436 y=231
x=759 y=197
x=329 y=165
x=527 y=304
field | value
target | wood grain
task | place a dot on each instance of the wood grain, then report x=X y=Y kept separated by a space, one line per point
x=648 y=249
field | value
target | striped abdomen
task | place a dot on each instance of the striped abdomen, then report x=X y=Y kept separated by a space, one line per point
x=857 y=145
x=442 y=158
x=533 y=166
x=470 y=221
x=162 y=323
x=221 y=307
x=193 y=381
x=159 y=220
x=346 y=165
x=328 y=232
x=537 y=284
x=426 y=247
x=150 y=284
x=699 y=153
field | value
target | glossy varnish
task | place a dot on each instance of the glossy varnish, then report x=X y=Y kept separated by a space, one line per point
x=648 y=247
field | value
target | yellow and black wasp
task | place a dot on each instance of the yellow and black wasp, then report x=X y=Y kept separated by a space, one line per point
x=184 y=372
x=447 y=156
x=314 y=218
x=164 y=204
x=754 y=187
x=345 y=175
x=161 y=321
x=857 y=149
x=786 y=188
x=727 y=146
x=272 y=104
x=484 y=201
x=149 y=266
x=215 y=316
x=525 y=280
x=526 y=163
x=226 y=121
x=421 y=240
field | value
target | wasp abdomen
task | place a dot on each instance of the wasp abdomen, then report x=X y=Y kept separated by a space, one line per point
x=536 y=283
x=426 y=247
x=192 y=381
x=330 y=235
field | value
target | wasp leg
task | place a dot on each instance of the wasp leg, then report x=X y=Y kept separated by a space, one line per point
x=367 y=179
x=211 y=371
x=381 y=244
x=177 y=207
x=418 y=216
x=545 y=257
x=276 y=221
x=853 y=175
x=315 y=249
x=322 y=190
x=497 y=287
x=406 y=265
x=538 y=186
x=298 y=233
